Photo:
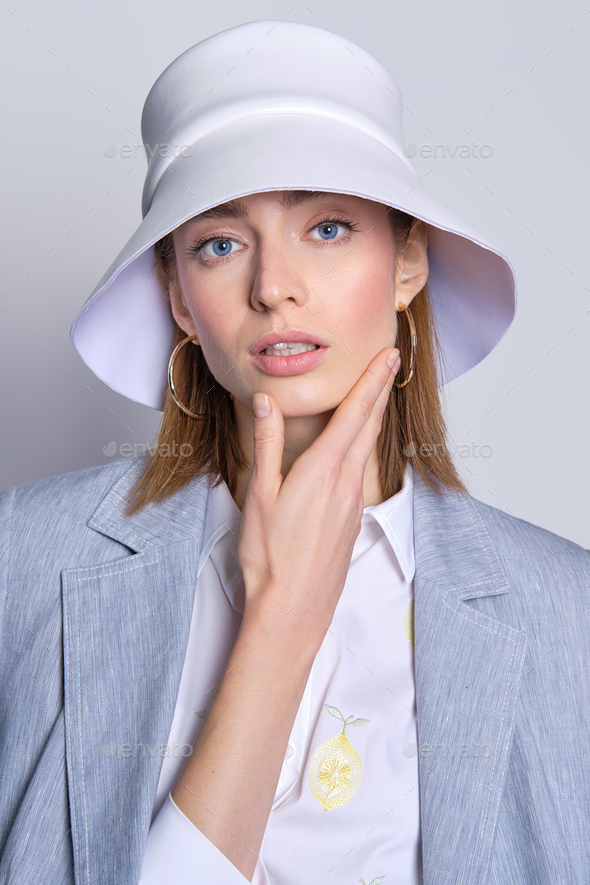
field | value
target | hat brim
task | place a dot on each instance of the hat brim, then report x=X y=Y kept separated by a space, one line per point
x=125 y=330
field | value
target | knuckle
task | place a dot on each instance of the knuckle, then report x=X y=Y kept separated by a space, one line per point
x=328 y=476
x=363 y=408
x=258 y=489
x=352 y=494
x=264 y=436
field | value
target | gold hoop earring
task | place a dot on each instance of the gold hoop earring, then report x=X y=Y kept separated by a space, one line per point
x=405 y=308
x=173 y=356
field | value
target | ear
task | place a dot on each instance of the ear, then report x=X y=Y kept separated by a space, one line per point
x=412 y=265
x=179 y=309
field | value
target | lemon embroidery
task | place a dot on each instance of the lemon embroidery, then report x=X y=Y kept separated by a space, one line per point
x=336 y=770
x=409 y=621
x=376 y=881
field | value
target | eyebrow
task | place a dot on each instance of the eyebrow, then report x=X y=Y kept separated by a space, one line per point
x=238 y=209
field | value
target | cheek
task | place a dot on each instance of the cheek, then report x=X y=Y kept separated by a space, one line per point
x=213 y=328
x=209 y=316
x=215 y=332
x=364 y=303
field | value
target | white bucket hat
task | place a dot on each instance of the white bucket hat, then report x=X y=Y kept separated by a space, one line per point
x=274 y=105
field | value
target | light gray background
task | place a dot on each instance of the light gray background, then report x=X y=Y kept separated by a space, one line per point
x=515 y=78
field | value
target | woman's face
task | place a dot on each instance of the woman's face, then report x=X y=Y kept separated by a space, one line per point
x=280 y=262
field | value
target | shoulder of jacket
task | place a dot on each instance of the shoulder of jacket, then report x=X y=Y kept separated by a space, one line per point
x=101 y=478
x=68 y=492
x=522 y=539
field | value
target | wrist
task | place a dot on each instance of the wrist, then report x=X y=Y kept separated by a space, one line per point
x=292 y=633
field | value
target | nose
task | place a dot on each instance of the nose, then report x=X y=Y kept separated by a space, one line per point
x=279 y=279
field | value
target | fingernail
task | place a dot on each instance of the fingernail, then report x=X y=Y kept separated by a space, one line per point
x=261 y=405
x=393 y=358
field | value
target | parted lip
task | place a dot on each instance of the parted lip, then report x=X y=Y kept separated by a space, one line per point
x=287 y=335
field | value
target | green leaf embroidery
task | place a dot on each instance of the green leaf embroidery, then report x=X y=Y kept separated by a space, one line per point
x=334 y=711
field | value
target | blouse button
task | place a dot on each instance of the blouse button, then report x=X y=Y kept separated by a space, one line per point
x=289 y=751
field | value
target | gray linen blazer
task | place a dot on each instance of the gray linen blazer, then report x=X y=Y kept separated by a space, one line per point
x=93 y=635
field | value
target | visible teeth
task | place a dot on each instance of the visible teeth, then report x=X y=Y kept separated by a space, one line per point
x=289 y=349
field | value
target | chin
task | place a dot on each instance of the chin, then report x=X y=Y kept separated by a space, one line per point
x=306 y=410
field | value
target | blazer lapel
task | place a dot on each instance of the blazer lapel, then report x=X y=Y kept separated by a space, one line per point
x=126 y=627
x=468 y=668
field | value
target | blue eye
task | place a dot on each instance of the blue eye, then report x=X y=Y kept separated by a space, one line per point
x=328 y=230
x=221 y=247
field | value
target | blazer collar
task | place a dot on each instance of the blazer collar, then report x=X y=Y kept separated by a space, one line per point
x=177 y=518
x=452 y=544
x=126 y=627
x=443 y=525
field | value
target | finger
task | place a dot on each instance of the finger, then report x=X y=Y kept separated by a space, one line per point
x=269 y=441
x=355 y=409
x=358 y=454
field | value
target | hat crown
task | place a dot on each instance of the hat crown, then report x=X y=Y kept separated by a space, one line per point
x=267 y=67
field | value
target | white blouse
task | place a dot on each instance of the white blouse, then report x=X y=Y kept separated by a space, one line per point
x=346 y=806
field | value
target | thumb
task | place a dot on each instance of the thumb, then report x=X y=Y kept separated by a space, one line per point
x=269 y=439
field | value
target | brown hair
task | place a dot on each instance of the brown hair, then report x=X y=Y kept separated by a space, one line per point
x=413 y=427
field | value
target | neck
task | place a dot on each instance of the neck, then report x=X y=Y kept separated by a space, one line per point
x=299 y=435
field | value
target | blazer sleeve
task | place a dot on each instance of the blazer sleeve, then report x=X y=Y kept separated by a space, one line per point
x=178 y=852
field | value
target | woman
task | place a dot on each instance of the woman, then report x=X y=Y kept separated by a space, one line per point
x=187 y=640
